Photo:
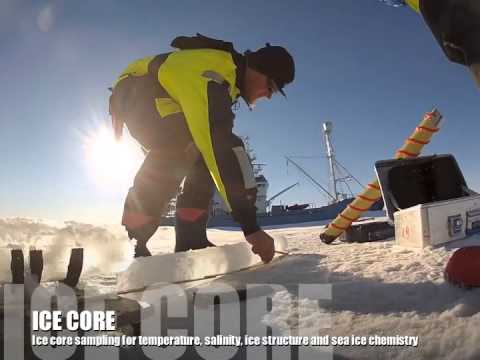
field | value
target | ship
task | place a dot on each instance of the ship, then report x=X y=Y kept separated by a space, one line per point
x=270 y=215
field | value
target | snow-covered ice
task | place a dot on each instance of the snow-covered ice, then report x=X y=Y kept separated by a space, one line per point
x=378 y=288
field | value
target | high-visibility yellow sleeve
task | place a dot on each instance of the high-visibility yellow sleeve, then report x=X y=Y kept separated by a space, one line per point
x=414 y=4
x=182 y=76
x=136 y=68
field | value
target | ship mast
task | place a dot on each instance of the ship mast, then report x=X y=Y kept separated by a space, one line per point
x=327 y=130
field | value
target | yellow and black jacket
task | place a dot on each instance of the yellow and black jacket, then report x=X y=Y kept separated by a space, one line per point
x=203 y=84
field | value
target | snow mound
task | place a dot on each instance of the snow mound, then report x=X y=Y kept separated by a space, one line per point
x=105 y=251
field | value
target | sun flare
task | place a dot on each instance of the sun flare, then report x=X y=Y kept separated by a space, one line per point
x=112 y=163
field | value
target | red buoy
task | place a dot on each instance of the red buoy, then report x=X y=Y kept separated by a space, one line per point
x=463 y=268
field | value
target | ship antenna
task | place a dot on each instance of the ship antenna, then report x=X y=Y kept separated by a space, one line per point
x=327 y=130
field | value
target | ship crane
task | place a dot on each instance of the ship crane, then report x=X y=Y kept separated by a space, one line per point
x=269 y=201
x=335 y=169
x=315 y=182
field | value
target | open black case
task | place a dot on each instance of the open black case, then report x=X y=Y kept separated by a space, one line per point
x=409 y=182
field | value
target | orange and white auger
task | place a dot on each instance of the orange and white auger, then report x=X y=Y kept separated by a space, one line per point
x=411 y=148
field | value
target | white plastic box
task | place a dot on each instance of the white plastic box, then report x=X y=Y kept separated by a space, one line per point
x=437 y=223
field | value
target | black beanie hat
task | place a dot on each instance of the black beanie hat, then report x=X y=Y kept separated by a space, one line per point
x=275 y=62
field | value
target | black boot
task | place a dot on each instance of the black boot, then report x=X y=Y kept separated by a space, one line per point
x=141 y=250
x=191 y=235
x=142 y=235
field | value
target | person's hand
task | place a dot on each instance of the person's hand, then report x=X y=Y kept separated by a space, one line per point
x=262 y=245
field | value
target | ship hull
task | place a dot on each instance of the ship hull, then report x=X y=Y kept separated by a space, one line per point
x=288 y=217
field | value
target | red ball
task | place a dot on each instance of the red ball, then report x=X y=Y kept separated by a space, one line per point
x=463 y=268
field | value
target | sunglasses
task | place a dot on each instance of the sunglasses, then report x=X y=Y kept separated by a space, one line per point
x=272 y=86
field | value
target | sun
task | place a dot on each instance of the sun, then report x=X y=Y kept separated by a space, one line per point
x=111 y=163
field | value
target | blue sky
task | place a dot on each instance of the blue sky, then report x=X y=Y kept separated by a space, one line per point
x=371 y=69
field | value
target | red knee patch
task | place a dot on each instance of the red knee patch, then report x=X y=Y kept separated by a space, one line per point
x=190 y=214
x=463 y=268
x=135 y=220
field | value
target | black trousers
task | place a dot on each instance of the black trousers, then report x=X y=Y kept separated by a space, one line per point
x=171 y=157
